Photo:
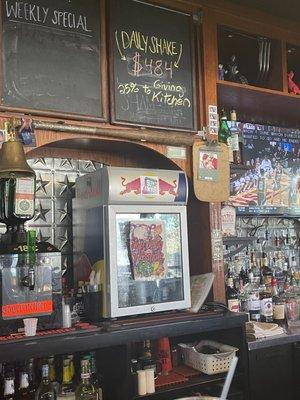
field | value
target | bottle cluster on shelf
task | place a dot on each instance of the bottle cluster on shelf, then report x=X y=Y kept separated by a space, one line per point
x=263 y=275
x=63 y=377
x=229 y=134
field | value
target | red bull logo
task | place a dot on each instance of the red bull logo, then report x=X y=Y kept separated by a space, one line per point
x=166 y=187
x=131 y=186
x=135 y=186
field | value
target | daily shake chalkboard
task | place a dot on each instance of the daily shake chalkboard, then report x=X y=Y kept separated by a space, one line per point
x=151 y=65
x=51 y=56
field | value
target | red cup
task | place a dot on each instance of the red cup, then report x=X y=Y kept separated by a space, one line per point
x=164 y=357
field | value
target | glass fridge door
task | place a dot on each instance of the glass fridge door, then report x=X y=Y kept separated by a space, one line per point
x=150 y=259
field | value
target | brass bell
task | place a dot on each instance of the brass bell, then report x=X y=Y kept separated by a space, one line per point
x=13 y=160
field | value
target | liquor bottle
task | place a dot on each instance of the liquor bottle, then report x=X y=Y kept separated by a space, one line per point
x=278 y=304
x=261 y=188
x=24 y=392
x=253 y=264
x=18 y=191
x=267 y=272
x=31 y=377
x=96 y=378
x=233 y=302
x=85 y=390
x=45 y=391
x=30 y=260
x=266 y=304
x=253 y=299
x=235 y=144
x=9 y=388
x=52 y=374
x=66 y=389
x=72 y=368
x=228 y=220
x=224 y=134
x=293 y=264
x=146 y=359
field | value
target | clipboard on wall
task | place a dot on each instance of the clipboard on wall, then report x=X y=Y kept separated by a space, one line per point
x=211 y=171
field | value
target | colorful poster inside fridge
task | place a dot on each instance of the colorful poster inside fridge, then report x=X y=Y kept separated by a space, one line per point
x=147 y=250
x=269 y=183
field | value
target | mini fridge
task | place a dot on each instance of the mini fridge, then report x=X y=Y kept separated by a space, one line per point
x=130 y=226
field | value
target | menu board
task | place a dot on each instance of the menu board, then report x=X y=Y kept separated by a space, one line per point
x=51 y=56
x=152 y=65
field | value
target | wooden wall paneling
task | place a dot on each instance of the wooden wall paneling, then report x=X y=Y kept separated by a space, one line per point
x=199 y=69
x=1 y=50
x=210 y=66
x=253 y=20
x=247 y=22
x=103 y=61
x=276 y=77
x=111 y=152
x=284 y=66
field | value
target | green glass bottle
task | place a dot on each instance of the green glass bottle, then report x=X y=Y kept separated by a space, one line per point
x=96 y=377
x=45 y=390
x=85 y=390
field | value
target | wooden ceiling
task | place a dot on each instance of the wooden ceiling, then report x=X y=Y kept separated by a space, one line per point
x=287 y=9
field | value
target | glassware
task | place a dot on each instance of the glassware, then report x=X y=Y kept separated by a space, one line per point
x=85 y=390
x=45 y=390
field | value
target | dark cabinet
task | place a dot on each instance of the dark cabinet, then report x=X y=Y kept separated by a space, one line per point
x=272 y=372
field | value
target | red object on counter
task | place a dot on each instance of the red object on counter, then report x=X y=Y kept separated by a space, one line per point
x=164 y=358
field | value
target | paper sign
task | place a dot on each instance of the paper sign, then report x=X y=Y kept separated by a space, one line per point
x=208 y=165
x=147 y=250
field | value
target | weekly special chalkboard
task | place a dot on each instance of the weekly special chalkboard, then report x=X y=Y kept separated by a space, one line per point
x=51 y=56
x=152 y=65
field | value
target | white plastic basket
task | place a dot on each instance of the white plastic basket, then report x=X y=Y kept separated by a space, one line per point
x=210 y=364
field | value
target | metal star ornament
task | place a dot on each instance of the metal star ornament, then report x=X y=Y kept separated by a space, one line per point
x=90 y=165
x=41 y=237
x=63 y=239
x=40 y=160
x=40 y=213
x=66 y=185
x=63 y=212
x=66 y=162
x=41 y=184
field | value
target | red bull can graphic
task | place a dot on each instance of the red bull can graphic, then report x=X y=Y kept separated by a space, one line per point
x=166 y=187
x=149 y=186
x=155 y=186
x=131 y=186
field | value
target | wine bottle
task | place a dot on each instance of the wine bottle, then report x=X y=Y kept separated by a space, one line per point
x=45 y=391
x=235 y=144
x=66 y=390
x=31 y=377
x=52 y=374
x=85 y=390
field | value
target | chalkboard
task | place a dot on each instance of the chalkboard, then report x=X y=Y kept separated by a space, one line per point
x=152 y=65
x=51 y=56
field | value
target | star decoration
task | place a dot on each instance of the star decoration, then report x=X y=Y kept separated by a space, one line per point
x=66 y=162
x=40 y=213
x=63 y=213
x=65 y=185
x=41 y=237
x=90 y=165
x=41 y=184
x=64 y=264
x=63 y=239
x=40 y=161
